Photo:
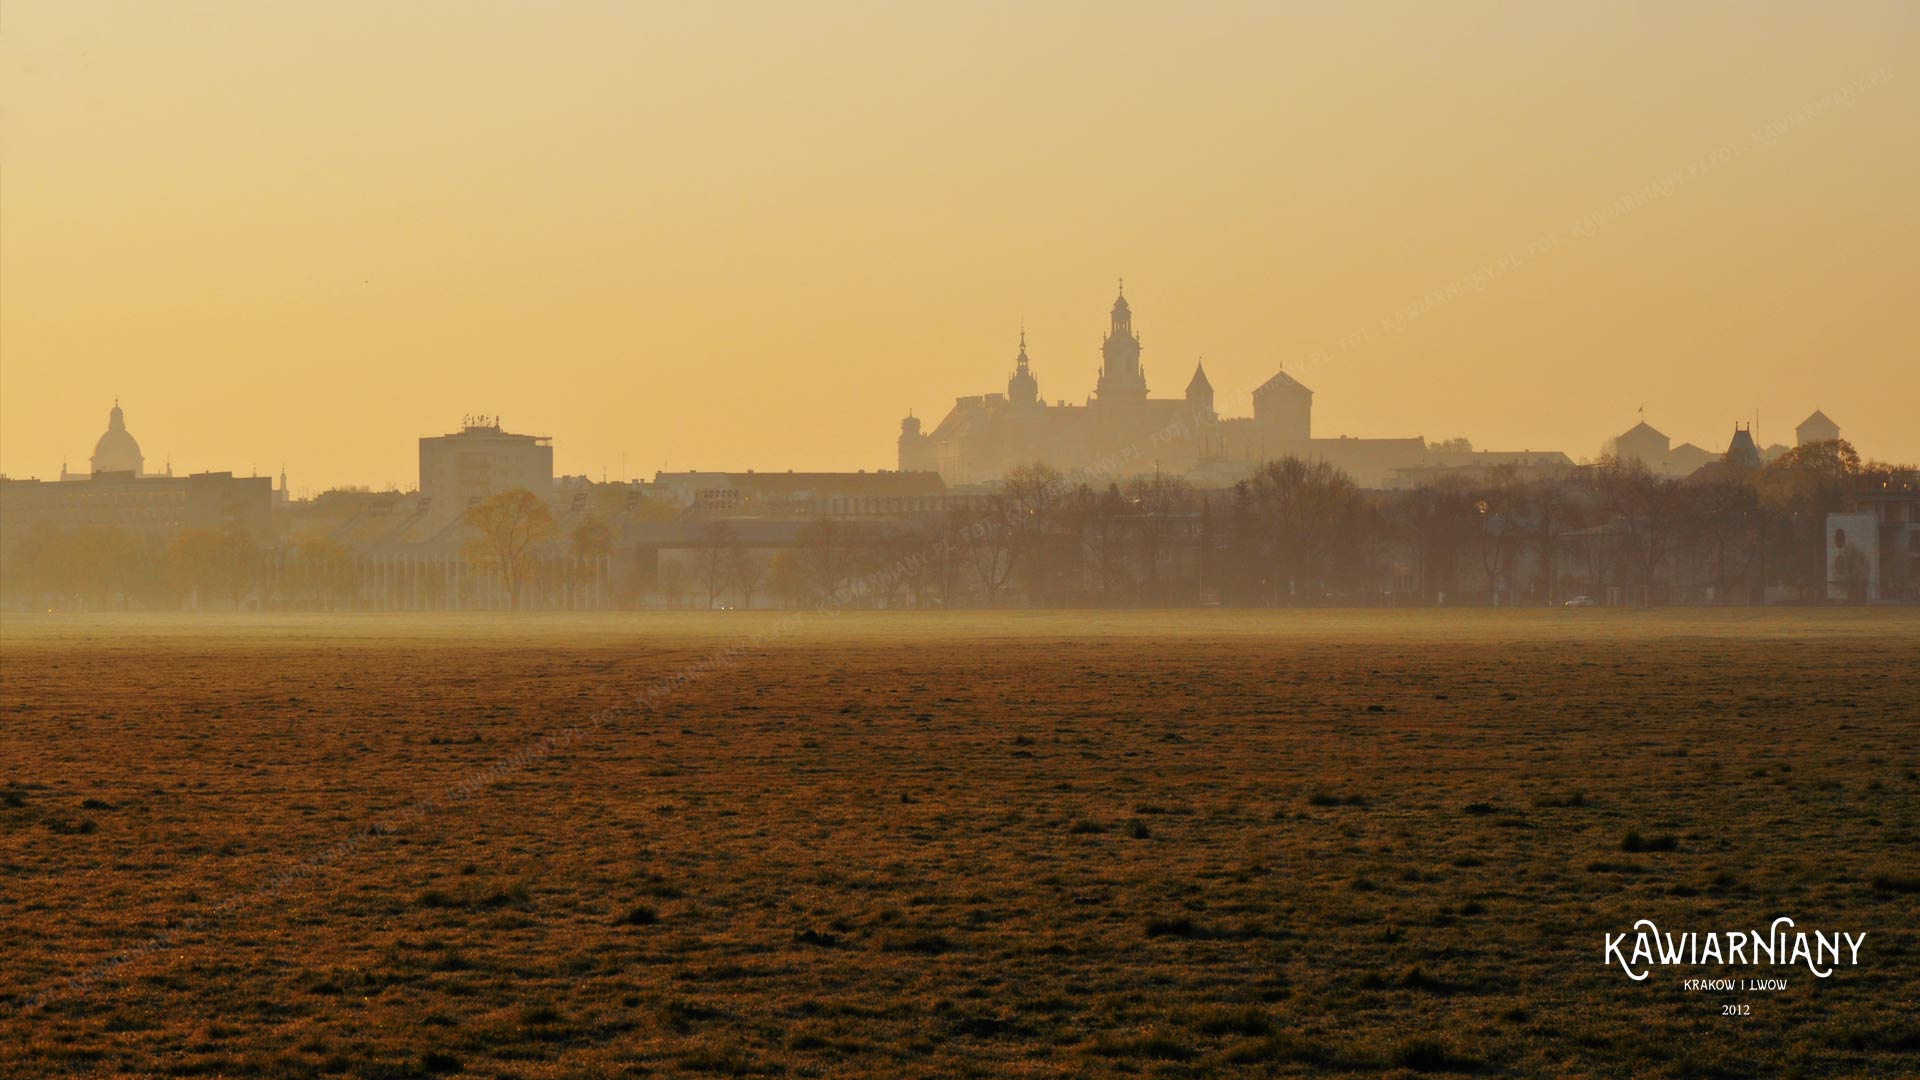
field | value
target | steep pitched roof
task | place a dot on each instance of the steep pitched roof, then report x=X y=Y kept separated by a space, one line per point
x=1280 y=381
x=1199 y=382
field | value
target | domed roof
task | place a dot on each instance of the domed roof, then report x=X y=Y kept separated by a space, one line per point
x=117 y=450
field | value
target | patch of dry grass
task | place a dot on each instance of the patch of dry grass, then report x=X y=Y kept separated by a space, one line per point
x=1046 y=843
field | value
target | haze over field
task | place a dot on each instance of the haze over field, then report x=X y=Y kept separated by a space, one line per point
x=892 y=844
x=729 y=236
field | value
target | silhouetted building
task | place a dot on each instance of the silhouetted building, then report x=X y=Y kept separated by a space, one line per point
x=115 y=493
x=1686 y=459
x=1643 y=443
x=142 y=505
x=1121 y=430
x=916 y=450
x=1284 y=408
x=1119 y=427
x=1741 y=450
x=1894 y=506
x=1816 y=428
x=1200 y=391
x=800 y=494
x=1479 y=466
x=116 y=451
x=1123 y=381
x=1650 y=447
x=479 y=460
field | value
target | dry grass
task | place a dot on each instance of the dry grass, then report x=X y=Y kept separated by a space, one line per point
x=1037 y=844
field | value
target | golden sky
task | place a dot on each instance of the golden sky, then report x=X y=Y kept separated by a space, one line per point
x=712 y=235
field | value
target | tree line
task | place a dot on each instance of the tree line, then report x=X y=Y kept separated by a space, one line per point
x=1294 y=533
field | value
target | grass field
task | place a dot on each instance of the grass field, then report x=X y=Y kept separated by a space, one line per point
x=876 y=844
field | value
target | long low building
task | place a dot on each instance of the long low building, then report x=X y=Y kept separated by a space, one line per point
x=791 y=493
x=148 y=505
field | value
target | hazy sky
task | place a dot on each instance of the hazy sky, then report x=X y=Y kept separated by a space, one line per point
x=735 y=235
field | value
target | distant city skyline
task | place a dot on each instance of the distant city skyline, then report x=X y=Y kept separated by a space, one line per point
x=1158 y=439
x=885 y=457
x=304 y=236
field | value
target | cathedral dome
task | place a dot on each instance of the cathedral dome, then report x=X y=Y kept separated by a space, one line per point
x=117 y=450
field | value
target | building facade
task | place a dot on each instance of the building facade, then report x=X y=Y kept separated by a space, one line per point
x=479 y=460
x=142 y=505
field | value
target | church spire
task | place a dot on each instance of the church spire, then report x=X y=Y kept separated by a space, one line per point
x=1121 y=377
x=1023 y=388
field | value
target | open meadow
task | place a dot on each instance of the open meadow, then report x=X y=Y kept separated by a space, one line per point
x=890 y=844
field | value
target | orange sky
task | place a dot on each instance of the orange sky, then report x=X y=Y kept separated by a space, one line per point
x=729 y=235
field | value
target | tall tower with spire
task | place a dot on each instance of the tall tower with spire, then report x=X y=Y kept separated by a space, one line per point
x=1122 y=379
x=1023 y=389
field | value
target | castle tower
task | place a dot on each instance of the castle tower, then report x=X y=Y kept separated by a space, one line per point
x=1200 y=391
x=1283 y=409
x=1023 y=389
x=1122 y=379
x=916 y=449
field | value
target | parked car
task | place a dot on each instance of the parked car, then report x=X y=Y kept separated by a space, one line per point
x=1582 y=601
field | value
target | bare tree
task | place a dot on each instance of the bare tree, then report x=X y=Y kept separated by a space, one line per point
x=787 y=578
x=745 y=571
x=992 y=548
x=1719 y=514
x=591 y=543
x=672 y=582
x=826 y=556
x=1311 y=510
x=938 y=573
x=713 y=560
x=1035 y=499
x=512 y=526
x=1102 y=520
x=1496 y=506
x=1156 y=502
x=1645 y=508
x=1548 y=507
